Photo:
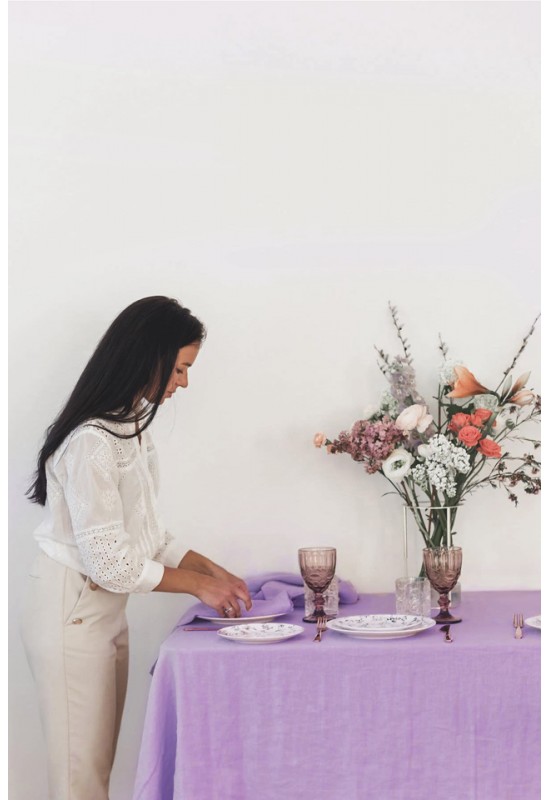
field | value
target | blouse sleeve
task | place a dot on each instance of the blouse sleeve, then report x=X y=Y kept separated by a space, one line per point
x=90 y=479
x=170 y=554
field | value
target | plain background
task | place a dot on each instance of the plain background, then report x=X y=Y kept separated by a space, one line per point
x=284 y=170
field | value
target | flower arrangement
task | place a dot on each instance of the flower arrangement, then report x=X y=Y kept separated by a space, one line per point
x=435 y=461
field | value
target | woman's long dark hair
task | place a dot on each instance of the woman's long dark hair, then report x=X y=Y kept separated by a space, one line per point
x=134 y=359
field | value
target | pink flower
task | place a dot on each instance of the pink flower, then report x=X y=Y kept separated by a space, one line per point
x=413 y=417
x=369 y=442
x=466 y=384
x=469 y=435
x=523 y=398
x=319 y=439
x=520 y=383
x=489 y=448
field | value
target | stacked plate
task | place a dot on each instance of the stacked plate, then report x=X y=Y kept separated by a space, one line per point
x=381 y=626
x=232 y=620
x=534 y=622
x=266 y=633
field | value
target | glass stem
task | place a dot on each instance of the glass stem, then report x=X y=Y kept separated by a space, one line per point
x=443 y=603
x=319 y=604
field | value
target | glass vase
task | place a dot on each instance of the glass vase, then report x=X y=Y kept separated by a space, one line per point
x=432 y=526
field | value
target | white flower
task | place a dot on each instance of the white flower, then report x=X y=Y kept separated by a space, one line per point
x=488 y=401
x=397 y=465
x=389 y=405
x=412 y=417
x=424 y=450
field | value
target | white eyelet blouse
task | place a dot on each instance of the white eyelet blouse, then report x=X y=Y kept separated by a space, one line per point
x=103 y=519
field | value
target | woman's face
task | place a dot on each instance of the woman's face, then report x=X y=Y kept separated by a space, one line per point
x=185 y=359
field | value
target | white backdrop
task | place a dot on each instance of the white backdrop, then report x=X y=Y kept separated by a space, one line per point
x=284 y=170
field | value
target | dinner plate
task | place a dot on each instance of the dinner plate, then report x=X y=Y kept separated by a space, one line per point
x=260 y=633
x=424 y=624
x=233 y=620
x=534 y=622
x=378 y=623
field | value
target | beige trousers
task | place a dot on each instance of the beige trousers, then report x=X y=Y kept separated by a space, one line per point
x=76 y=638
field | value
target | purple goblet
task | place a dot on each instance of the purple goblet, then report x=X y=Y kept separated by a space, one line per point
x=317 y=565
x=443 y=566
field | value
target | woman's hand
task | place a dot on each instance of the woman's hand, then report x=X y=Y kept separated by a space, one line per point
x=223 y=594
x=236 y=583
x=201 y=564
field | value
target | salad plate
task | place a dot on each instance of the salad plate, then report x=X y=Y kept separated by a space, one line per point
x=423 y=624
x=260 y=633
x=534 y=622
x=379 y=623
x=236 y=620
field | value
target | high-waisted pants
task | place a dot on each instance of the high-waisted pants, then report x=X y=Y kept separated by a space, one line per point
x=76 y=638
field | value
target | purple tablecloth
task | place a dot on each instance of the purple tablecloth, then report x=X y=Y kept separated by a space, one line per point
x=395 y=719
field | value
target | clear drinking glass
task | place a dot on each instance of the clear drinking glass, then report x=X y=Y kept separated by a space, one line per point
x=317 y=566
x=413 y=596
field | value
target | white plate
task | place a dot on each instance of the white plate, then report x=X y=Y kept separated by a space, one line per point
x=260 y=633
x=424 y=625
x=378 y=623
x=234 y=620
x=533 y=622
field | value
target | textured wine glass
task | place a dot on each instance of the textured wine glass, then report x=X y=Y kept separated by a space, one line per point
x=443 y=566
x=317 y=565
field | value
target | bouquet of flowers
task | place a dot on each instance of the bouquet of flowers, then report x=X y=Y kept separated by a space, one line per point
x=435 y=460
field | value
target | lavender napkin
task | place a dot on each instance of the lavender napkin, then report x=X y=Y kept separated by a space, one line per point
x=271 y=593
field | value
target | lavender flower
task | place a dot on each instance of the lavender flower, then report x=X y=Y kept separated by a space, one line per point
x=402 y=380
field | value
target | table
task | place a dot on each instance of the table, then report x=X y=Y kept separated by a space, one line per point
x=349 y=719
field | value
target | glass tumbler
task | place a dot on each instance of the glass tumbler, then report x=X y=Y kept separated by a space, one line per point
x=413 y=596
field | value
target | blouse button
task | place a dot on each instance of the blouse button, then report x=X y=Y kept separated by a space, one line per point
x=93 y=586
x=77 y=621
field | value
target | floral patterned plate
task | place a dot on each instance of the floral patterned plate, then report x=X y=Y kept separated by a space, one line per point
x=232 y=620
x=379 y=623
x=266 y=633
x=534 y=622
x=423 y=624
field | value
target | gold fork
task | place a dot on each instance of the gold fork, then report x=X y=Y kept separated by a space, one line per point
x=321 y=627
x=518 y=625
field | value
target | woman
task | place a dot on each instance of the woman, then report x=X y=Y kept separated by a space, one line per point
x=104 y=538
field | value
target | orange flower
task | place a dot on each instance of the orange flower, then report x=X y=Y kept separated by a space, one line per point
x=319 y=439
x=489 y=448
x=466 y=384
x=469 y=435
x=458 y=421
x=481 y=416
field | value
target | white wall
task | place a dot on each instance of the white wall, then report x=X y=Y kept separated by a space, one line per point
x=284 y=169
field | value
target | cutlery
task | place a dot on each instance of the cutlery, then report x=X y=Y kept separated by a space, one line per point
x=200 y=629
x=321 y=627
x=518 y=625
x=446 y=630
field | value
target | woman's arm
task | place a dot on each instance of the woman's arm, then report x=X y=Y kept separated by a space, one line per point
x=220 y=592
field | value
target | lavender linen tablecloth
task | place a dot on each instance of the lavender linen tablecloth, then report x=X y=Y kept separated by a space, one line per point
x=350 y=719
